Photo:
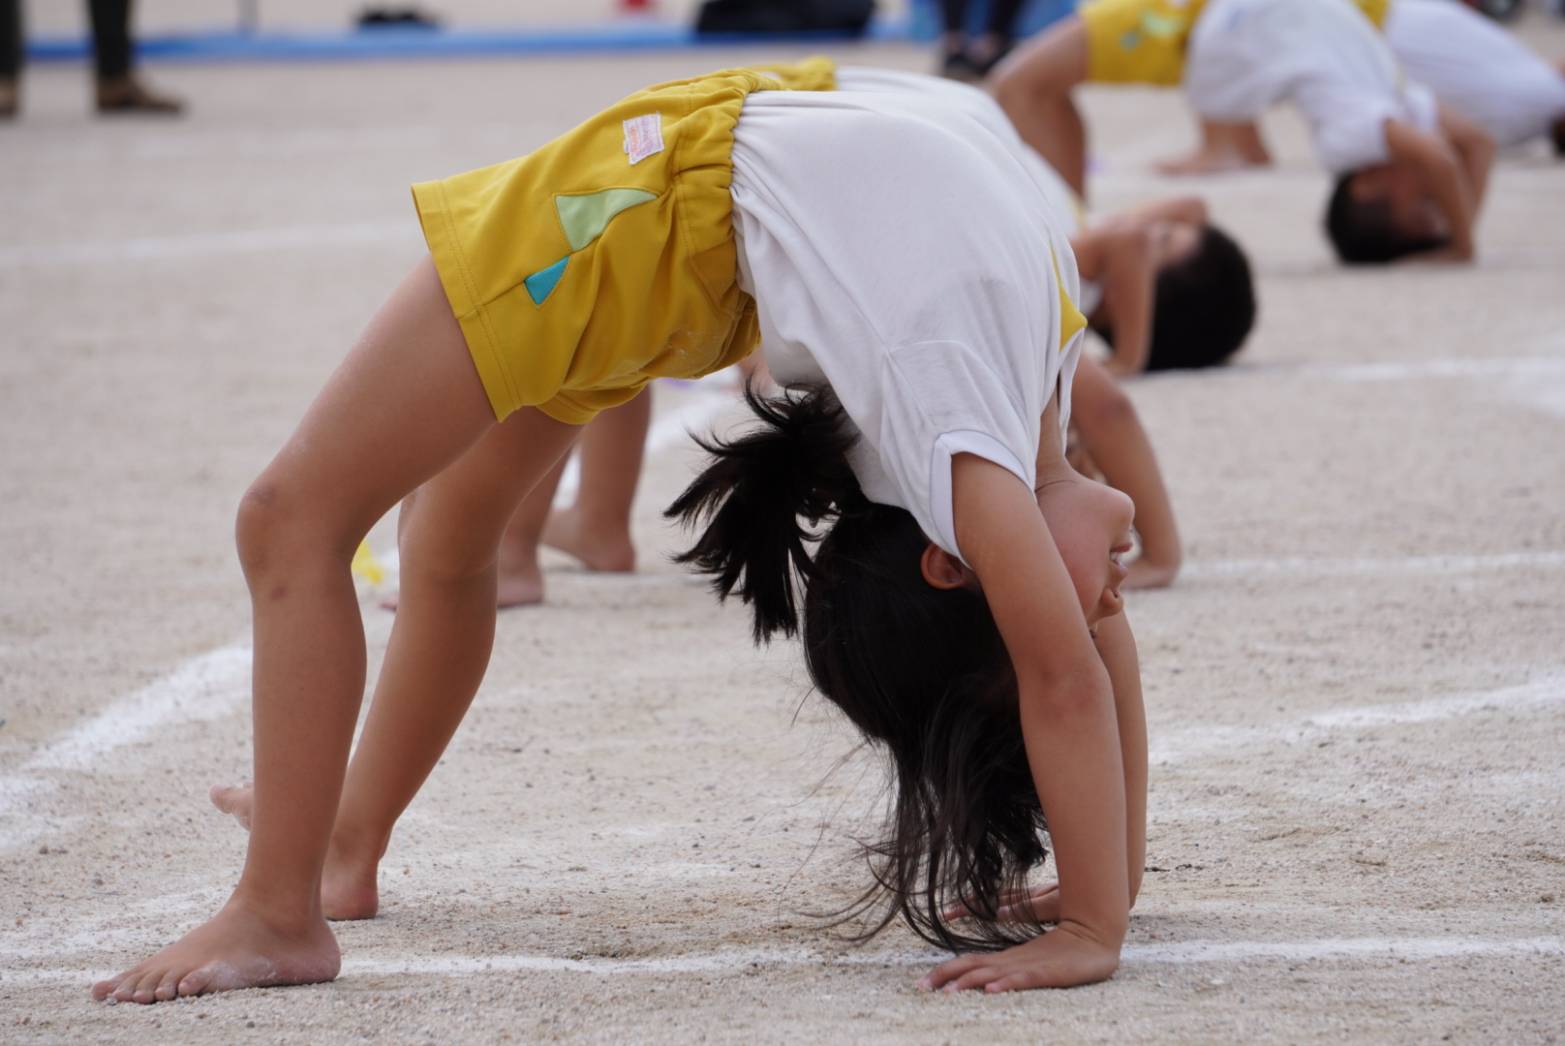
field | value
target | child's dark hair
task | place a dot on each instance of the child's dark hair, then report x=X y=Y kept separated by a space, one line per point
x=1203 y=306
x=921 y=671
x=1363 y=232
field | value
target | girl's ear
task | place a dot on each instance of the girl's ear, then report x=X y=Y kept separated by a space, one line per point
x=941 y=569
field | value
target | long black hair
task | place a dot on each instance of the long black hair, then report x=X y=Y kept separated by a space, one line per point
x=921 y=671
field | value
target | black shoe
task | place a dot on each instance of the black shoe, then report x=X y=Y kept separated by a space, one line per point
x=957 y=66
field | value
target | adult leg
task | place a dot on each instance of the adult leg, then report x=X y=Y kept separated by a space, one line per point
x=998 y=36
x=11 y=37
x=1034 y=88
x=954 y=63
x=118 y=89
x=404 y=405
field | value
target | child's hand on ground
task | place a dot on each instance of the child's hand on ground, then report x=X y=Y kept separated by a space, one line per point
x=1039 y=904
x=1062 y=958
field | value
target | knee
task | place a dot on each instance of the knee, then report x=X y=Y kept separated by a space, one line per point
x=275 y=527
x=440 y=543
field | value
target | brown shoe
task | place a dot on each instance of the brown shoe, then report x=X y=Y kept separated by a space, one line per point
x=10 y=99
x=129 y=95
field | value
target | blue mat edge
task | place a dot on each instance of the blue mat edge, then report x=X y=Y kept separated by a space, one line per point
x=229 y=45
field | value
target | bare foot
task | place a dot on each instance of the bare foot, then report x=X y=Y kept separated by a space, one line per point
x=237 y=948
x=349 y=886
x=1207 y=161
x=606 y=549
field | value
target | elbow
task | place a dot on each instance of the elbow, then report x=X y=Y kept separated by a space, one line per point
x=1108 y=409
x=1066 y=687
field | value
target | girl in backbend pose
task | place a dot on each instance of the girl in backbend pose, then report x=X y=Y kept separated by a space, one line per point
x=962 y=607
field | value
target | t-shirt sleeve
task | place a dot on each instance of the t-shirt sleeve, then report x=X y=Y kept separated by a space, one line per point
x=942 y=399
x=1354 y=135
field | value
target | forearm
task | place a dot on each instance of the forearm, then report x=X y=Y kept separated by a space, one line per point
x=1070 y=727
x=1117 y=647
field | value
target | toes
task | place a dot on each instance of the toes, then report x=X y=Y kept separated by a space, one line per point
x=103 y=989
x=195 y=982
x=168 y=987
x=146 y=984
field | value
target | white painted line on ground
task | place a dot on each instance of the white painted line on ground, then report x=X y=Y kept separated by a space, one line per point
x=209 y=244
x=1178 y=745
x=203 y=688
x=1365 y=373
x=1511 y=367
x=1368 y=566
x=1162 y=953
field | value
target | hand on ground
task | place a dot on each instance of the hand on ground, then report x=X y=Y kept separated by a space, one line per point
x=1064 y=957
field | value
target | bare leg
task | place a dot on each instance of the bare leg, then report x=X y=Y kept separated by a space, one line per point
x=1034 y=88
x=403 y=405
x=596 y=529
x=520 y=578
x=1224 y=147
x=439 y=646
x=449 y=534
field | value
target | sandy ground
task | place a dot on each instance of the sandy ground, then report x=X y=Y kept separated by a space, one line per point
x=1356 y=694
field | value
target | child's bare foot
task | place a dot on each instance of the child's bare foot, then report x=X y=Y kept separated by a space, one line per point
x=237 y=948
x=607 y=549
x=349 y=880
x=520 y=581
x=1208 y=161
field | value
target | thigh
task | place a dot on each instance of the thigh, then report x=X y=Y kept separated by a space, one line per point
x=405 y=404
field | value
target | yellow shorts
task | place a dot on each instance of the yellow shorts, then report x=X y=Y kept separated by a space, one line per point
x=1143 y=41
x=606 y=258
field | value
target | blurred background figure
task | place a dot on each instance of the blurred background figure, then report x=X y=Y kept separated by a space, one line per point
x=969 y=58
x=118 y=88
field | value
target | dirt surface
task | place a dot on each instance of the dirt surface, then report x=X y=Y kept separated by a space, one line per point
x=1356 y=693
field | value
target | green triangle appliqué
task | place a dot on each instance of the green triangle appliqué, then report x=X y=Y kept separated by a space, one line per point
x=585 y=217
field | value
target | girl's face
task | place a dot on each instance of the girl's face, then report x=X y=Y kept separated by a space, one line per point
x=1091 y=527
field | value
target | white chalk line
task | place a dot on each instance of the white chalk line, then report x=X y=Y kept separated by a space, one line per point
x=1372 y=566
x=1181 y=953
x=1174 y=746
x=1367 y=373
x=212 y=685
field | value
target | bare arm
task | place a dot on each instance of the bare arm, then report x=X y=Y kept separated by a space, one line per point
x=1129 y=278
x=1443 y=176
x=1475 y=149
x=1112 y=434
x=1034 y=87
x=1117 y=645
x=1069 y=724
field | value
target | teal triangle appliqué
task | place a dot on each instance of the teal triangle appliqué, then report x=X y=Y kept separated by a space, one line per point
x=542 y=283
x=585 y=217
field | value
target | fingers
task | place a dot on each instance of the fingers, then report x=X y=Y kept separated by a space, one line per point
x=949 y=971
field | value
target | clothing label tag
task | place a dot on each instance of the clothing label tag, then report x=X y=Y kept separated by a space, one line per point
x=643 y=137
